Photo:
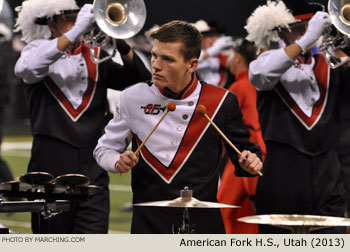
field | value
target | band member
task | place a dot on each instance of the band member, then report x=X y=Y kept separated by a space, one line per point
x=184 y=149
x=213 y=62
x=234 y=190
x=67 y=102
x=298 y=102
x=7 y=60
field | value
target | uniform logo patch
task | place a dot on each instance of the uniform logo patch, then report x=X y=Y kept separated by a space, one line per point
x=152 y=109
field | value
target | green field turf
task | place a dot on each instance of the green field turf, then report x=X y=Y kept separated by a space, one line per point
x=119 y=187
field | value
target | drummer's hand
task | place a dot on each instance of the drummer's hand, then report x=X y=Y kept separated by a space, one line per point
x=250 y=162
x=126 y=161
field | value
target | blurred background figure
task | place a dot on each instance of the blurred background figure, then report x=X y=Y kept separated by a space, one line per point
x=239 y=190
x=213 y=61
x=343 y=147
x=6 y=72
x=299 y=110
x=142 y=46
x=67 y=96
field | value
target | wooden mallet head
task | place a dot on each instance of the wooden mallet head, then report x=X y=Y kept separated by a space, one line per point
x=171 y=106
x=201 y=109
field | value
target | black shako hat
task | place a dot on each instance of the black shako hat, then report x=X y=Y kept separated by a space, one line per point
x=303 y=10
x=80 y=3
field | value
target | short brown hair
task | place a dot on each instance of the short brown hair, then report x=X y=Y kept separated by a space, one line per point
x=248 y=51
x=184 y=32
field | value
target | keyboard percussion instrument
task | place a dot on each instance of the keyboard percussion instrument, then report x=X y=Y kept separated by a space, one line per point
x=42 y=192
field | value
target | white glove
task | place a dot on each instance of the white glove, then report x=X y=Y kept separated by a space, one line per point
x=84 y=22
x=220 y=45
x=314 y=30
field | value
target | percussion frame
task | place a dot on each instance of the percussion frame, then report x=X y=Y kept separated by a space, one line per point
x=35 y=206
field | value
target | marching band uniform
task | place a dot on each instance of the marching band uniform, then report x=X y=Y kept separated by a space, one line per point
x=299 y=115
x=6 y=65
x=298 y=104
x=76 y=93
x=67 y=108
x=213 y=62
x=213 y=69
x=182 y=151
x=343 y=147
x=67 y=98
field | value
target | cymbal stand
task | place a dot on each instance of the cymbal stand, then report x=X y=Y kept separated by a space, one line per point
x=52 y=210
x=186 y=227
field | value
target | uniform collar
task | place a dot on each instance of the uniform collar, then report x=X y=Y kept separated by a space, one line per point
x=188 y=90
x=241 y=74
x=77 y=50
x=305 y=59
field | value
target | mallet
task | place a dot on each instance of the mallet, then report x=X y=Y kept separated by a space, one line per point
x=201 y=109
x=169 y=107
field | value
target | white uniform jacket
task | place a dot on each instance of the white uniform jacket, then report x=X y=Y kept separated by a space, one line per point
x=67 y=92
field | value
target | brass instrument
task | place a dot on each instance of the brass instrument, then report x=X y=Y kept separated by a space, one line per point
x=115 y=19
x=339 y=12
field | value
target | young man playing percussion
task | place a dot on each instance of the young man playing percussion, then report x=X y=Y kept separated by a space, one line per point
x=185 y=148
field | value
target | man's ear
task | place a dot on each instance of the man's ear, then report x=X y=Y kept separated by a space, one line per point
x=192 y=65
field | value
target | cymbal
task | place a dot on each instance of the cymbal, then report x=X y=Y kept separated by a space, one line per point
x=72 y=180
x=15 y=186
x=88 y=190
x=186 y=200
x=36 y=178
x=180 y=202
x=297 y=220
x=57 y=188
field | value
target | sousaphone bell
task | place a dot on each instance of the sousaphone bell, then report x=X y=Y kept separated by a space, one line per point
x=116 y=19
x=333 y=40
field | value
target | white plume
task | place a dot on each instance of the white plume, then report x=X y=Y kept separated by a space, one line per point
x=264 y=19
x=202 y=26
x=33 y=9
